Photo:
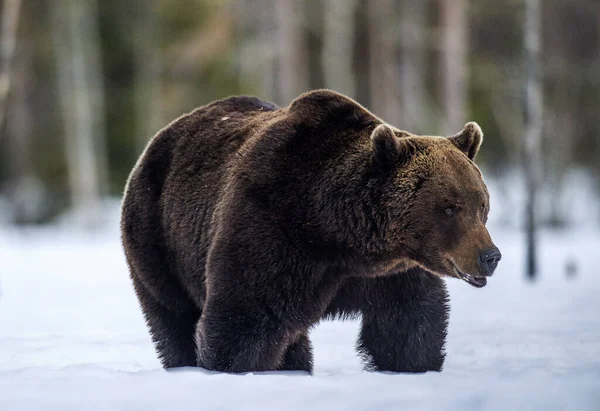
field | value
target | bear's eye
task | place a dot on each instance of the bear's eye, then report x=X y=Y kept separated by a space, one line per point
x=449 y=210
x=483 y=213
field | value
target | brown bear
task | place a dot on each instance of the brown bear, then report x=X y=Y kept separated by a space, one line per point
x=245 y=224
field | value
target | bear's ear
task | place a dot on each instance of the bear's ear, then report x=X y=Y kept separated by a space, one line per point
x=388 y=149
x=469 y=139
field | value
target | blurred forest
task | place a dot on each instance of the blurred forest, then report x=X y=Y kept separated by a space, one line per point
x=92 y=81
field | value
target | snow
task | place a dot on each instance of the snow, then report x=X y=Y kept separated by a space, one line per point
x=72 y=337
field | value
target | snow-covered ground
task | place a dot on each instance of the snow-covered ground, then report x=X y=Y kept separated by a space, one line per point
x=72 y=338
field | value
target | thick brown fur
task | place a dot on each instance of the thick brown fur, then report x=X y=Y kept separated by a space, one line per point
x=245 y=224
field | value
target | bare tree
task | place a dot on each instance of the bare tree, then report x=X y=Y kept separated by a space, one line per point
x=25 y=191
x=558 y=157
x=148 y=68
x=338 y=42
x=412 y=66
x=383 y=52
x=293 y=67
x=10 y=20
x=267 y=50
x=533 y=126
x=75 y=35
x=256 y=28
x=454 y=63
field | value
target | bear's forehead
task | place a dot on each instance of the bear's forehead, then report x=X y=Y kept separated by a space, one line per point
x=456 y=174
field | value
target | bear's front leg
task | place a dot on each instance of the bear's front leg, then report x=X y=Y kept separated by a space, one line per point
x=237 y=337
x=405 y=320
x=298 y=356
x=262 y=297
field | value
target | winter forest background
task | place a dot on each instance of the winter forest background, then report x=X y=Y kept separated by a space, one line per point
x=84 y=84
x=92 y=81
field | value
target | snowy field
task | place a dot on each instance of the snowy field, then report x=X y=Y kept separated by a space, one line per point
x=72 y=338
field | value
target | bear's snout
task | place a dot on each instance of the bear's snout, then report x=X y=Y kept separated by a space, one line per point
x=488 y=260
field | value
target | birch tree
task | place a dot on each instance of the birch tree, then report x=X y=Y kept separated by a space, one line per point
x=412 y=66
x=454 y=63
x=148 y=68
x=25 y=191
x=77 y=55
x=292 y=64
x=383 y=65
x=10 y=21
x=338 y=43
x=533 y=127
x=257 y=46
x=267 y=50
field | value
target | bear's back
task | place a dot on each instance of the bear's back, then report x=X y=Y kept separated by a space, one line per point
x=173 y=190
x=197 y=176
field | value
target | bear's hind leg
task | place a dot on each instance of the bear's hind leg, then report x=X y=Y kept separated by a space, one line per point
x=404 y=324
x=172 y=333
x=298 y=355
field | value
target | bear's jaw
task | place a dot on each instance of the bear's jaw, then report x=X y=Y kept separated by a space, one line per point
x=474 y=281
x=477 y=282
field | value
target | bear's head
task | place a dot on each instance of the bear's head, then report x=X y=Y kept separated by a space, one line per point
x=435 y=202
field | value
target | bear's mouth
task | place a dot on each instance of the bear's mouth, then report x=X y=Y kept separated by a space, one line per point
x=477 y=282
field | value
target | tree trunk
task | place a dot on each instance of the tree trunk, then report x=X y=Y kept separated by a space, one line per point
x=148 y=68
x=338 y=42
x=268 y=32
x=256 y=31
x=293 y=67
x=81 y=94
x=454 y=63
x=10 y=20
x=533 y=127
x=25 y=191
x=412 y=67
x=383 y=65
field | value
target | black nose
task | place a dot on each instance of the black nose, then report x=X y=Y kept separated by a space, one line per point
x=488 y=260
